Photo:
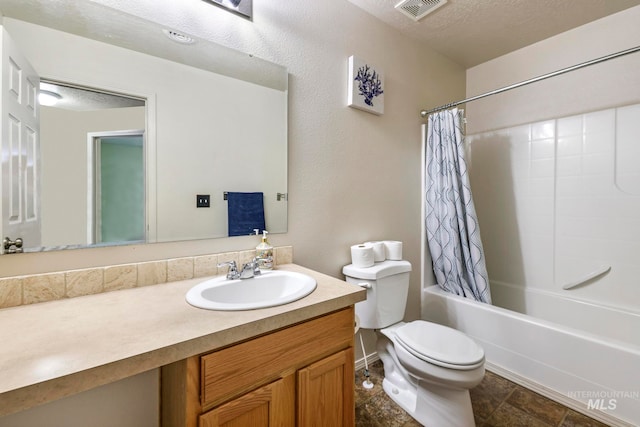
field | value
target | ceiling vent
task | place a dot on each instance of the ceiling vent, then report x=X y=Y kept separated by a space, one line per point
x=418 y=9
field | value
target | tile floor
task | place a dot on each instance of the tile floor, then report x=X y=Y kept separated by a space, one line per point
x=496 y=402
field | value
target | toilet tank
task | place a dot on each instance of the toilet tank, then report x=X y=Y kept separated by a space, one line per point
x=387 y=294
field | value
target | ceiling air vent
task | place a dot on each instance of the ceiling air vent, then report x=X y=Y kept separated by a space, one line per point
x=418 y=9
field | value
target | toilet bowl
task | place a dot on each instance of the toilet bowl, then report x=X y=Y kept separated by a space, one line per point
x=428 y=368
x=432 y=389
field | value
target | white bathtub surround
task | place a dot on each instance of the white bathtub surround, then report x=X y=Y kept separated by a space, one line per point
x=589 y=373
x=558 y=202
x=453 y=232
x=563 y=193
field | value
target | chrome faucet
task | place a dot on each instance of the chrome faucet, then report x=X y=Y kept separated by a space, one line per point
x=233 y=272
x=250 y=269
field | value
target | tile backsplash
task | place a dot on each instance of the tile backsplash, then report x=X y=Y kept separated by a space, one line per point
x=31 y=289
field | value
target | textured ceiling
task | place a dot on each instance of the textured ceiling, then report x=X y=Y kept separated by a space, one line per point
x=92 y=19
x=78 y=99
x=471 y=32
x=467 y=31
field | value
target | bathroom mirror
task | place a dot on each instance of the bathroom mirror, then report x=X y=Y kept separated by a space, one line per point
x=211 y=120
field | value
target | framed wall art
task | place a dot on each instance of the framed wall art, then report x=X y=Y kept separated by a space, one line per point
x=366 y=86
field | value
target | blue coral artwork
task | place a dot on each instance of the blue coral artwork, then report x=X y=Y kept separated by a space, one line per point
x=366 y=86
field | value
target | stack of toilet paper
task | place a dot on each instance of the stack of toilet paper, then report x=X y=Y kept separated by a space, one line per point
x=368 y=253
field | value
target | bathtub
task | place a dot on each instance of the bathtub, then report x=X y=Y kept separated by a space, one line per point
x=564 y=349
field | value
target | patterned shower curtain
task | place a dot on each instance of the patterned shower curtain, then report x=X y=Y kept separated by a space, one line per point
x=453 y=233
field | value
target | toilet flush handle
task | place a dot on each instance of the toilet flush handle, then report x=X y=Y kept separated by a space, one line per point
x=365 y=285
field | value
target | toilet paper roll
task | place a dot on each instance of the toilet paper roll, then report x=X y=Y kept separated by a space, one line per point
x=362 y=255
x=393 y=250
x=379 y=253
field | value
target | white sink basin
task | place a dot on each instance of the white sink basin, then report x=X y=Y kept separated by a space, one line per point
x=269 y=289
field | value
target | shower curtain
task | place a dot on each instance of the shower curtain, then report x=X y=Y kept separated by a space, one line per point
x=452 y=227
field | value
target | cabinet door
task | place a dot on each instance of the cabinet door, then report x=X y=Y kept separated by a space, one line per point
x=326 y=392
x=270 y=405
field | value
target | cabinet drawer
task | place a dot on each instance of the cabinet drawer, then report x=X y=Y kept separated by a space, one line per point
x=240 y=368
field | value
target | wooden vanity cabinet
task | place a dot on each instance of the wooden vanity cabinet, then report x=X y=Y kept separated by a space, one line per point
x=302 y=375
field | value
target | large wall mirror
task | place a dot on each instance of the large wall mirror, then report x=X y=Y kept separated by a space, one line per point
x=148 y=119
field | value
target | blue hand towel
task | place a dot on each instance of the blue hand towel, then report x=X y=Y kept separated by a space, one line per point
x=246 y=212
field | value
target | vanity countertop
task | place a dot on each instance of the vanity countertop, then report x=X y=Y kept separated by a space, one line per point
x=59 y=348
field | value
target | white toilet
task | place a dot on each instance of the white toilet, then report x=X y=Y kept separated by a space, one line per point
x=428 y=368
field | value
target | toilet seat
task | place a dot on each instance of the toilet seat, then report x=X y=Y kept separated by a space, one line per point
x=440 y=345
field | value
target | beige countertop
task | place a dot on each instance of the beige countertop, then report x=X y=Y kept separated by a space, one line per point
x=59 y=348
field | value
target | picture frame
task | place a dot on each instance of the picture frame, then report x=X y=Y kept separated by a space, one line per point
x=366 y=86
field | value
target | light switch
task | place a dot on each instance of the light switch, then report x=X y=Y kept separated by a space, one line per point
x=202 y=201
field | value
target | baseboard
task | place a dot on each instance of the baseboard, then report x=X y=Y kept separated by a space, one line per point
x=371 y=358
x=556 y=397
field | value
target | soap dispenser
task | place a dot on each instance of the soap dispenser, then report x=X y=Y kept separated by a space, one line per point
x=264 y=252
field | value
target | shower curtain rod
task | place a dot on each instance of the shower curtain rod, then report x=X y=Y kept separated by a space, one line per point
x=425 y=113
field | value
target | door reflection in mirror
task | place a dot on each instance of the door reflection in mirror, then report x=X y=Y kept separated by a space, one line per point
x=118 y=187
x=92 y=145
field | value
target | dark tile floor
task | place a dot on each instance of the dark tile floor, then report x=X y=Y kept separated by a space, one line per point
x=496 y=402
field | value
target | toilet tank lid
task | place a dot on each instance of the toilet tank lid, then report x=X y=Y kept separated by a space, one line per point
x=378 y=270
